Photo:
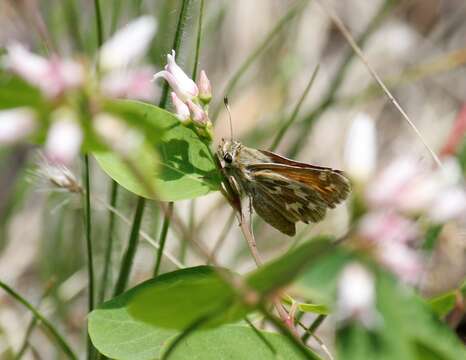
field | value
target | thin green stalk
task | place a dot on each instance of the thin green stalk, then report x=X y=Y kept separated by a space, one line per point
x=110 y=237
x=90 y=256
x=329 y=98
x=313 y=328
x=163 y=238
x=73 y=23
x=286 y=125
x=128 y=257
x=98 y=21
x=280 y=25
x=61 y=342
x=116 y=9
x=303 y=349
x=198 y=39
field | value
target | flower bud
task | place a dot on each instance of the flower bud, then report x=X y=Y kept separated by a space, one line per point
x=181 y=109
x=16 y=124
x=184 y=87
x=198 y=114
x=205 y=89
x=64 y=137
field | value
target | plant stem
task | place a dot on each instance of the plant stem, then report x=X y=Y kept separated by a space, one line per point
x=90 y=256
x=163 y=238
x=198 y=39
x=110 y=237
x=314 y=326
x=128 y=257
x=286 y=125
x=53 y=331
x=232 y=83
x=98 y=21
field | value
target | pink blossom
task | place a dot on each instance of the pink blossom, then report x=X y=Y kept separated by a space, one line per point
x=129 y=84
x=205 y=89
x=356 y=295
x=128 y=45
x=184 y=87
x=197 y=113
x=53 y=76
x=16 y=124
x=64 y=138
x=181 y=109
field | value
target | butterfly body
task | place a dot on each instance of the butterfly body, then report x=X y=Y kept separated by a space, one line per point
x=282 y=191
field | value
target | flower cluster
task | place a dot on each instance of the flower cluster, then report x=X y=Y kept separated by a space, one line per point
x=189 y=99
x=395 y=199
x=61 y=81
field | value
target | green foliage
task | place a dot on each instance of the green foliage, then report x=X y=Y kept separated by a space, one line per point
x=444 y=303
x=15 y=92
x=186 y=167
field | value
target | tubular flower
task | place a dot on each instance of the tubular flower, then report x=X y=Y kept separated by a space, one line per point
x=205 y=89
x=181 y=109
x=16 y=124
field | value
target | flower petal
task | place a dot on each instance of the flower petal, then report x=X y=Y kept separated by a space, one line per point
x=16 y=124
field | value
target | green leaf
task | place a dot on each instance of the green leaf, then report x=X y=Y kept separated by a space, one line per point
x=444 y=303
x=186 y=167
x=283 y=270
x=233 y=342
x=15 y=92
x=314 y=308
x=141 y=319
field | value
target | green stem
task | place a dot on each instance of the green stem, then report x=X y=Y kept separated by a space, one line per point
x=280 y=25
x=116 y=8
x=90 y=256
x=163 y=238
x=198 y=39
x=128 y=257
x=110 y=237
x=314 y=326
x=53 y=331
x=286 y=125
x=98 y=20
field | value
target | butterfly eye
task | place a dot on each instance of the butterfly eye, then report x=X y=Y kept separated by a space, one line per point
x=228 y=158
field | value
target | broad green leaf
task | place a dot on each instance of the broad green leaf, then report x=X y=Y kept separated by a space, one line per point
x=186 y=167
x=233 y=342
x=283 y=270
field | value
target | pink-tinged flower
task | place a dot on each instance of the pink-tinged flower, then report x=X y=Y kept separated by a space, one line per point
x=16 y=124
x=64 y=138
x=116 y=134
x=53 y=76
x=356 y=296
x=128 y=45
x=361 y=148
x=129 y=84
x=184 y=87
x=205 y=89
x=198 y=115
x=181 y=109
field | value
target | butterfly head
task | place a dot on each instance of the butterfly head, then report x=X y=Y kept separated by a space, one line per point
x=227 y=152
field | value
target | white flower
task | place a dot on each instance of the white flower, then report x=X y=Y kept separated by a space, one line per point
x=53 y=76
x=356 y=295
x=129 y=84
x=116 y=134
x=205 y=89
x=128 y=45
x=361 y=148
x=16 y=124
x=64 y=137
x=181 y=109
x=181 y=83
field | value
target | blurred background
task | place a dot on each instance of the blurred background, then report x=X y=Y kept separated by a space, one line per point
x=262 y=54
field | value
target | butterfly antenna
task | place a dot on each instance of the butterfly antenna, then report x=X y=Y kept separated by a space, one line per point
x=227 y=106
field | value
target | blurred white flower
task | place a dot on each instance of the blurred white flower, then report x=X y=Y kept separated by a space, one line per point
x=116 y=134
x=128 y=45
x=64 y=137
x=356 y=296
x=181 y=109
x=205 y=89
x=184 y=87
x=129 y=84
x=53 y=76
x=361 y=148
x=16 y=124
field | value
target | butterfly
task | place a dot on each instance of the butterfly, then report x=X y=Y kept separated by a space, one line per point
x=281 y=191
